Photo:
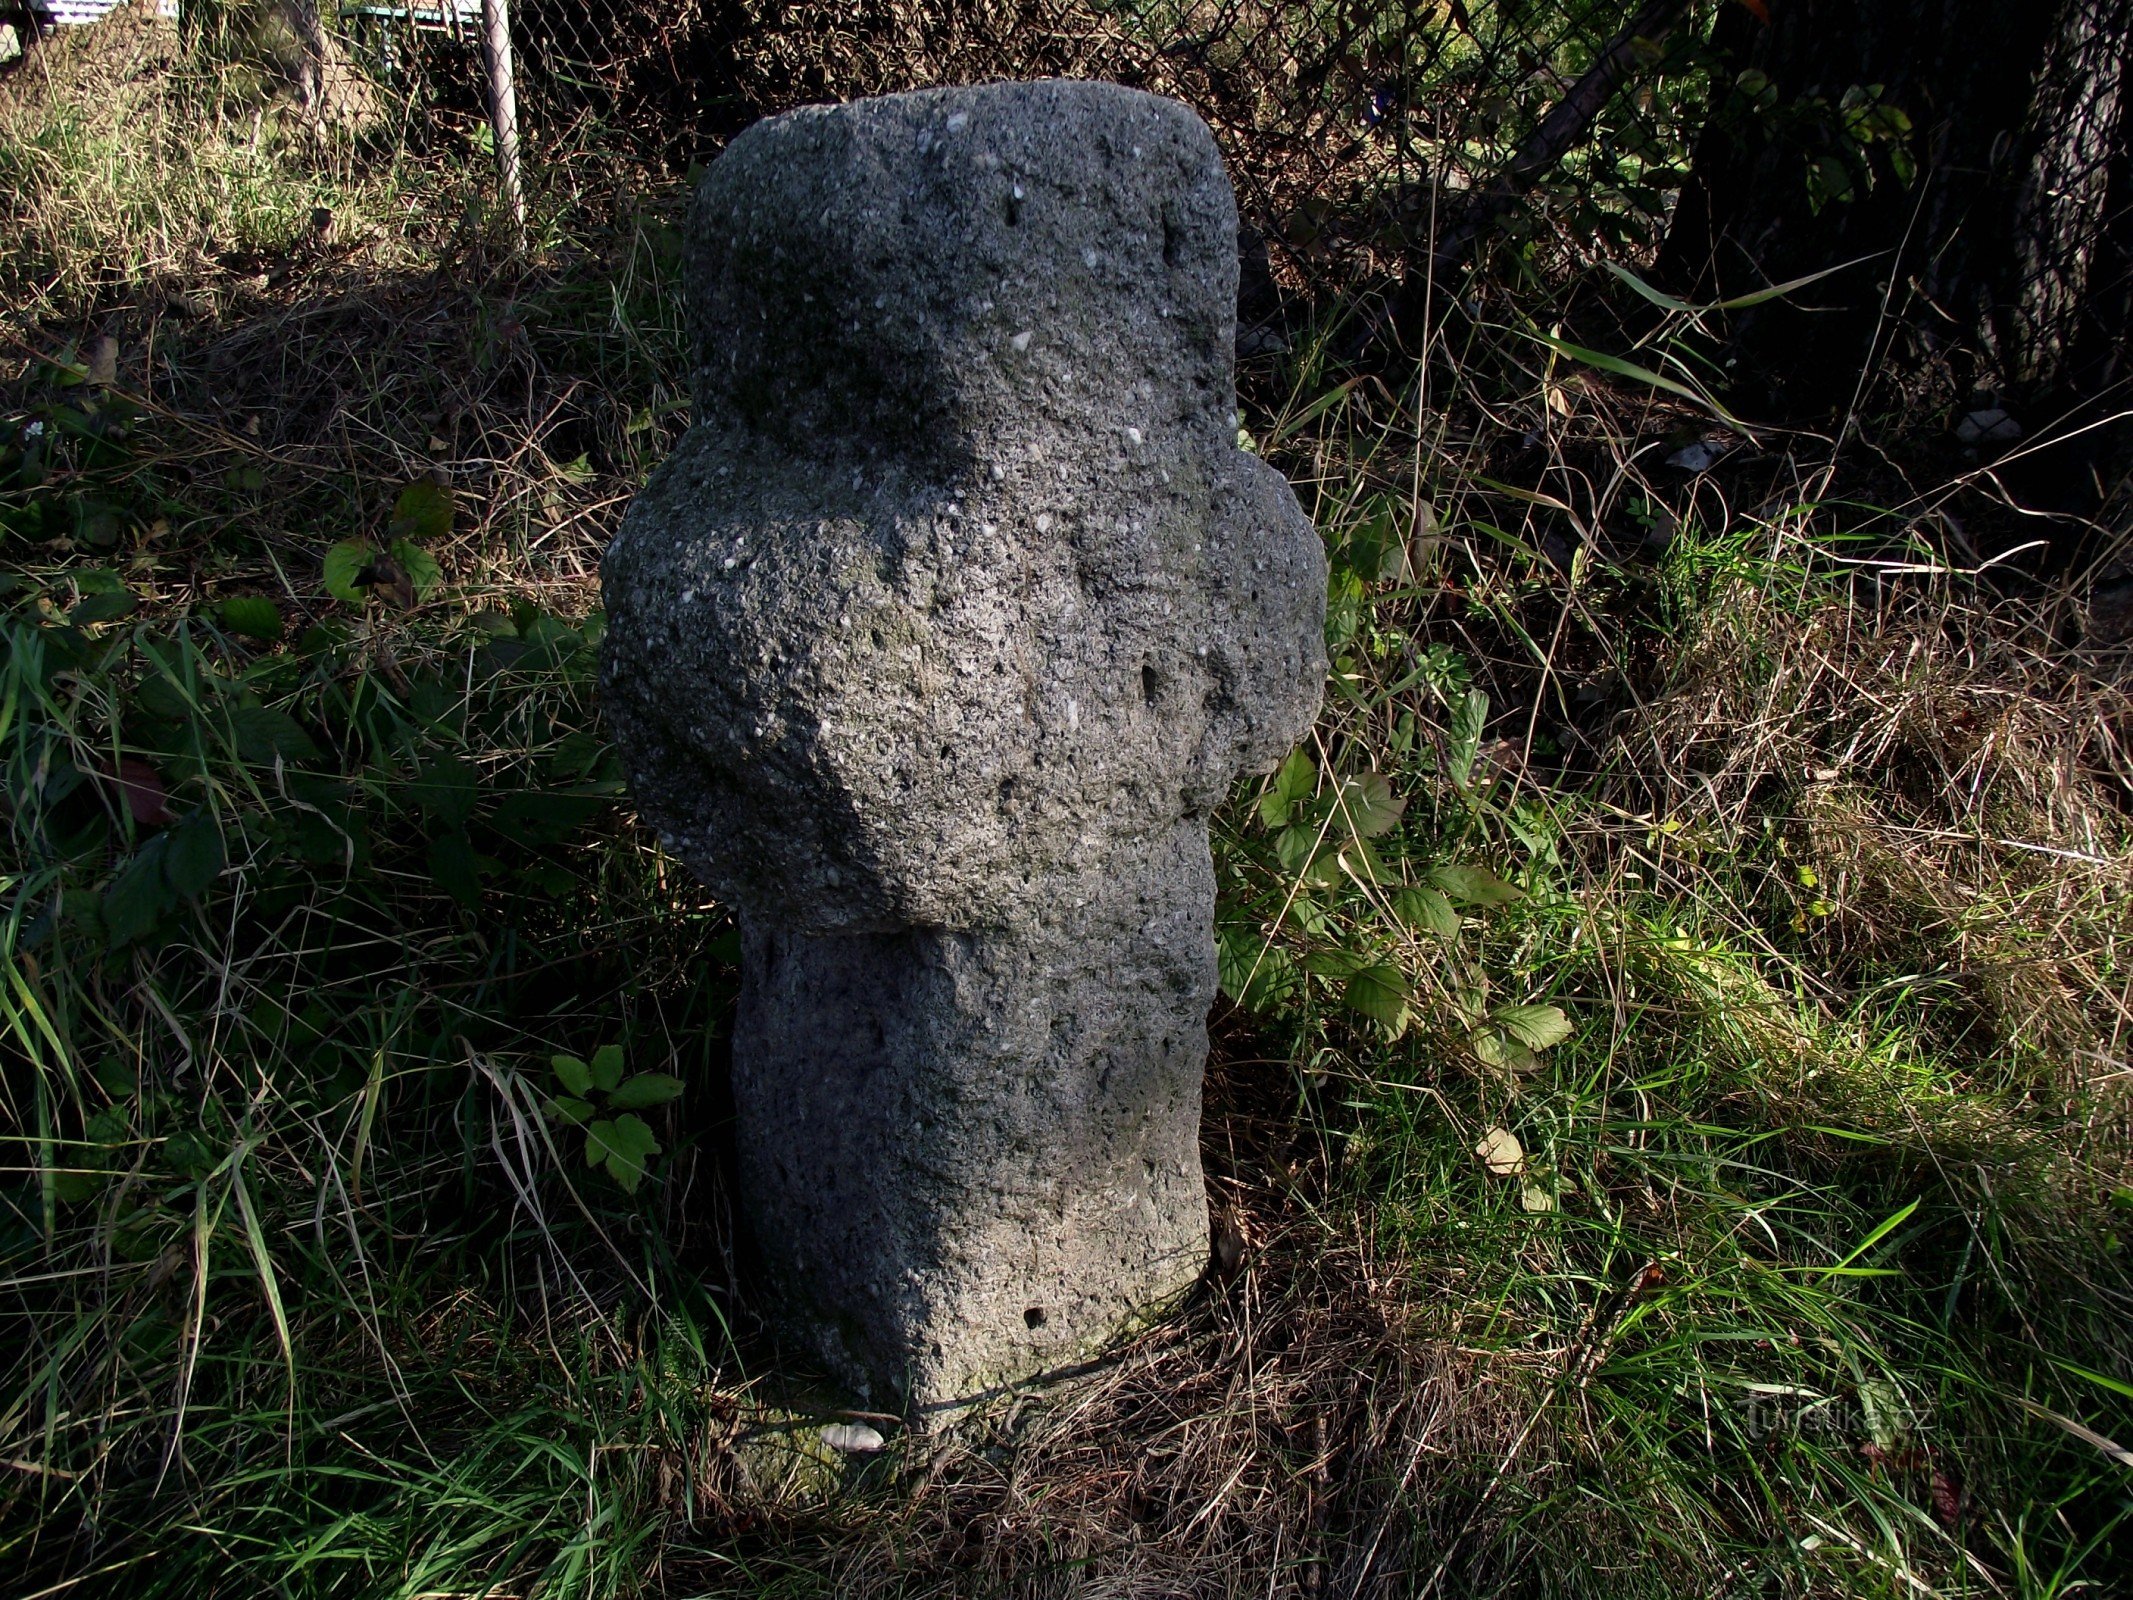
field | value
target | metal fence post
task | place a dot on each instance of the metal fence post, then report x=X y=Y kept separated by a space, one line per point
x=503 y=110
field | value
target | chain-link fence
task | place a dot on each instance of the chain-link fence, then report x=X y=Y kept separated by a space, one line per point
x=1359 y=132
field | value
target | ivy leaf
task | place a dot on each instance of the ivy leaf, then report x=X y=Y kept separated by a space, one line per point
x=423 y=511
x=1427 y=909
x=1370 y=806
x=1379 y=993
x=646 y=1089
x=1475 y=886
x=569 y=1108
x=1535 y=1027
x=607 y=1067
x=254 y=616
x=573 y=1074
x=1293 y=784
x=345 y=564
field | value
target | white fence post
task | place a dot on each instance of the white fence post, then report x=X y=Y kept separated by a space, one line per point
x=503 y=110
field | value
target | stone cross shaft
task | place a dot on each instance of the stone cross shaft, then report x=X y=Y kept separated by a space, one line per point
x=929 y=650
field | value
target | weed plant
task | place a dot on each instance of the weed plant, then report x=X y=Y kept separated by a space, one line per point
x=1667 y=1119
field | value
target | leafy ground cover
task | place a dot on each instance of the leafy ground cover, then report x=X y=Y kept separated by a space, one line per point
x=1667 y=1122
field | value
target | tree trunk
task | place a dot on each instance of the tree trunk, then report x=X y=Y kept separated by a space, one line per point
x=1991 y=237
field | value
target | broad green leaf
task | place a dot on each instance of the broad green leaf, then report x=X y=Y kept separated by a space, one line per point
x=622 y=1146
x=1370 y=806
x=607 y=1066
x=137 y=898
x=1496 y=1050
x=444 y=788
x=455 y=867
x=1428 y=910
x=1356 y=858
x=1293 y=783
x=193 y=856
x=597 y=1148
x=424 y=576
x=573 y=1074
x=1334 y=962
x=1295 y=847
x=344 y=564
x=1535 y=1027
x=1475 y=886
x=254 y=616
x=1379 y=993
x=262 y=733
x=1254 y=974
x=569 y=1108
x=646 y=1089
x=101 y=608
x=423 y=511
x=634 y=1135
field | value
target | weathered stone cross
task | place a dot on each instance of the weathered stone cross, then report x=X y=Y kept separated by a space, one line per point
x=930 y=650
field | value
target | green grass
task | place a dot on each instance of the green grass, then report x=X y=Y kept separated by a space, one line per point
x=1777 y=915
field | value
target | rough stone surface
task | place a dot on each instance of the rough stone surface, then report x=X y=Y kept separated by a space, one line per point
x=930 y=649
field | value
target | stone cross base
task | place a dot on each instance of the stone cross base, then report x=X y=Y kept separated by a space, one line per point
x=1003 y=1168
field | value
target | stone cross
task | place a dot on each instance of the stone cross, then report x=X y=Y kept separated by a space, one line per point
x=930 y=650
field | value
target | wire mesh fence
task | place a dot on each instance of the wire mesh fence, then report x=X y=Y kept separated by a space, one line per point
x=1357 y=131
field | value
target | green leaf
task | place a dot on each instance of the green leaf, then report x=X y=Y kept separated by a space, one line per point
x=1535 y=1027
x=1469 y=718
x=1331 y=961
x=573 y=1074
x=1379 y=993
x=254 y=616
x=607 y=1066
x=1254 y=974
x=646 y=1089
x=1475 y=886
x=569 y=1108
x=193 y=857
x=455 y=868
x=423 y=573
x=344 y=564
x=260 y=734
x=1370 y=806
x=101 y=608
x=623 y=1146
x=444 y=787
x=1295 y=847
x=1428 y=910
x=137 y=898
x=1293 y=784
x=1497 y=1051
x=423 y=511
